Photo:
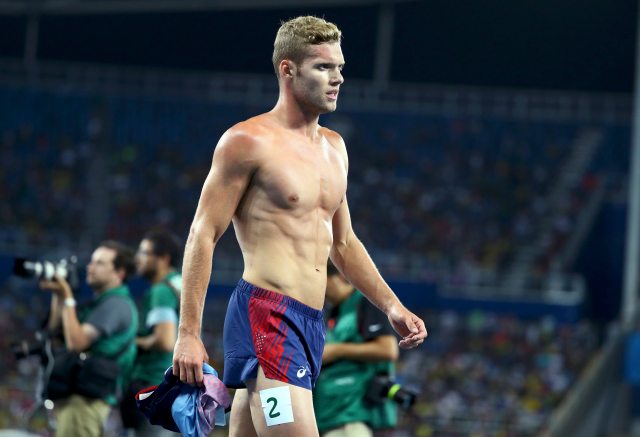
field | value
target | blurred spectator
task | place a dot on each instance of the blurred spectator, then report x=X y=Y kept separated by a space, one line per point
x=106 y=329
x=485 y=374
x=157 y=260
x=360 y=350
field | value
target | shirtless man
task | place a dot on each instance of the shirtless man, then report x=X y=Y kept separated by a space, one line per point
x=282 y=179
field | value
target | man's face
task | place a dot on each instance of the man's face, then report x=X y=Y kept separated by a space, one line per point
x=146 y=260
x=101 y=272
x=318 y=77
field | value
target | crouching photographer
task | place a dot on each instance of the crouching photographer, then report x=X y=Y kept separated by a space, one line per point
x=88 y=376
x=355 y=392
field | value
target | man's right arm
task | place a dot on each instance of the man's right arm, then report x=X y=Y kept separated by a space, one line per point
x=77 y=336
x=234 y=162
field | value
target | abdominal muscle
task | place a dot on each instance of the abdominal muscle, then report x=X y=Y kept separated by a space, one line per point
x=286 y=253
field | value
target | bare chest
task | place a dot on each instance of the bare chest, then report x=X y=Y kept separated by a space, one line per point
x=303 y=178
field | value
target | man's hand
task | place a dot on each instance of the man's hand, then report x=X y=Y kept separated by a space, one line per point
x=59 y=286
x=188 y=355
x=410 y=327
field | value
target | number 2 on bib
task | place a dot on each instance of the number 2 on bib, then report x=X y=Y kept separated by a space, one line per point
x=273 y=412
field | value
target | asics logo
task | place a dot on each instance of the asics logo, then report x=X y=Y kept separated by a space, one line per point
x=301 y=372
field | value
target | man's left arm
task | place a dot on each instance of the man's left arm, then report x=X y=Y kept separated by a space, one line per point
x=351 y=258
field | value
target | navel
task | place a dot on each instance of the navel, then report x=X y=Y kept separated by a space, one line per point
x=294 y=198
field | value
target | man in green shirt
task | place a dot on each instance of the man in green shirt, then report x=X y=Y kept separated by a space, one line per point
x=157 y=261
x=106 y=327
x=360 y=344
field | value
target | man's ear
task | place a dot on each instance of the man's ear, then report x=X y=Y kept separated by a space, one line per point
x=287 y=68
x=122 y=273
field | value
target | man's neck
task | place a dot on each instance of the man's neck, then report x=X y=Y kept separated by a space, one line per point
x=107 y=287
x=292 y=116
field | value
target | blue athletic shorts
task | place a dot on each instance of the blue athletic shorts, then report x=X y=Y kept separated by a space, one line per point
x=280 y=334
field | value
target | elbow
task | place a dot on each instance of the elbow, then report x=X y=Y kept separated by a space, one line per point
x=337 y=255
x=72 y=348
x=165 y=337
x=339 y=249
x=343 y=243
x=339 y=246
x=342 y=253
x=196 y=233
x=203 y=231
x=77 y=346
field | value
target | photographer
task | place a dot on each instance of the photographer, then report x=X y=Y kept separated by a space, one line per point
x=104 y=331
x=157 y=260
x=360 y=348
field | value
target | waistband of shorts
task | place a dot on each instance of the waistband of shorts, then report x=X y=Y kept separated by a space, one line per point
x=262 y=293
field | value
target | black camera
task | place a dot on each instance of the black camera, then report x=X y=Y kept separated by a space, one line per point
x=382 y=387
x=65 y=268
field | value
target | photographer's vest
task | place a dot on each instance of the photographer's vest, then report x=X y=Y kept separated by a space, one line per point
x=340 y=390
x=110 y=346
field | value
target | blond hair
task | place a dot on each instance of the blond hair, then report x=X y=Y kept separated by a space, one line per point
x=295 y=35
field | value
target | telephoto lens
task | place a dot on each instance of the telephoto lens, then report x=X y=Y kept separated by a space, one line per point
x=65 y=268
x=382 y=387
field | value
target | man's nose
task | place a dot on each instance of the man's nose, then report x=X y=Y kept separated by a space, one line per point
x=337 y=78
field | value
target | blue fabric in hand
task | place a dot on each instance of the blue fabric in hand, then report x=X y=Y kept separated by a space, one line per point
x=192 y=411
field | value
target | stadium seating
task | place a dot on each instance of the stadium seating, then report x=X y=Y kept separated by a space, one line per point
x=428 y=194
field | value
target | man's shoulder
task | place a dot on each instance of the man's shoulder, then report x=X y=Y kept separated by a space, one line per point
x=246 y=138
x=252 y=131
x=335 y=140
x=116 y=300
x=109 y=312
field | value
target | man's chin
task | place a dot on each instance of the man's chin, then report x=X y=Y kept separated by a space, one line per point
x=147 y=275
x=329 y=108
x=93 y=284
